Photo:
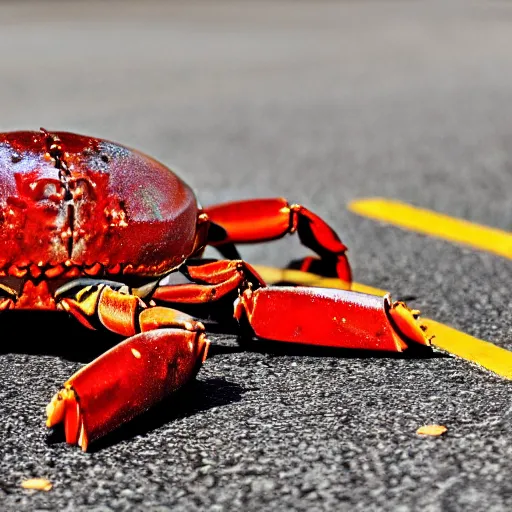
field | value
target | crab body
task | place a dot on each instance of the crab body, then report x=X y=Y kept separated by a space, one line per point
x=74 y=206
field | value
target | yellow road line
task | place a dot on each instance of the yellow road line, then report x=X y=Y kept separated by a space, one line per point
x=273 y=275
x=482 y=353
x=485 y=354
x=435 y=224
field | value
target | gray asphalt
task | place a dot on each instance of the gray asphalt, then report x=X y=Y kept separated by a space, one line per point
x=321 y=102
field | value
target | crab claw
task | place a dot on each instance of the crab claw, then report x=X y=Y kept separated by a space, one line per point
x=330 y=318
x=125 y=381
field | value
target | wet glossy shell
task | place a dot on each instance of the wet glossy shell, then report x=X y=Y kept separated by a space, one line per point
x=81 y=202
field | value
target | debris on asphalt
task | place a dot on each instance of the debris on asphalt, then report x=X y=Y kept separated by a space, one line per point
x=431 y=430
x=37 y=484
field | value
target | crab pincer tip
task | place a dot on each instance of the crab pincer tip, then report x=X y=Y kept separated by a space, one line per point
x=407 y=323
x=64 y=408
x=343 y=270
x=56 y=409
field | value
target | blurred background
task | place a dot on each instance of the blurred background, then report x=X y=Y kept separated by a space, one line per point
x=322 y=102
x=317 y=101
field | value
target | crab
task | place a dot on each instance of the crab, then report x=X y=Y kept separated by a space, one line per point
x=115 y=239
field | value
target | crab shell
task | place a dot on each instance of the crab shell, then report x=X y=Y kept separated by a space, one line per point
x=72 y=205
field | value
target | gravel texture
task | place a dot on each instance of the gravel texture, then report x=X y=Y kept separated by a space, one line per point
x=322 y=102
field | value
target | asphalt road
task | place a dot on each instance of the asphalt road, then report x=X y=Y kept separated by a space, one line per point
x=322 y=103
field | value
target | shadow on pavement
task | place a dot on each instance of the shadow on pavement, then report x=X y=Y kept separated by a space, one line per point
x=54 y=333
x=277 y=349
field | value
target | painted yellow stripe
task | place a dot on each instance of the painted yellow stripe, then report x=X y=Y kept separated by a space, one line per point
x=435 y=224
x=272 y=275
x=485 y=354
x=479 y=352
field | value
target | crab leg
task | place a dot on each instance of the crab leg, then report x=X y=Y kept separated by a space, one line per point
x=261 y=220
x=313 y=316
x=209 y=282
x=166 y=352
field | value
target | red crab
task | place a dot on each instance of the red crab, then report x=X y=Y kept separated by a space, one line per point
x=91 y=227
